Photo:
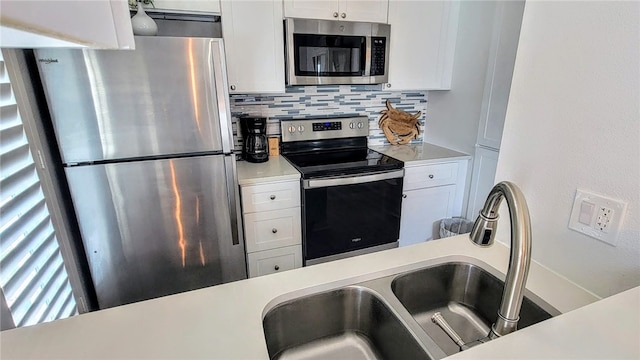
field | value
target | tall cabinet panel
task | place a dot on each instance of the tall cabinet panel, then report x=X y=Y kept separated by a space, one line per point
x=484 y=171
x=254 y=44
x=502 y=55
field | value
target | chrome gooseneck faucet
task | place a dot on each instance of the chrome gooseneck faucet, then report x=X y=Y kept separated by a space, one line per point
x=483 y=234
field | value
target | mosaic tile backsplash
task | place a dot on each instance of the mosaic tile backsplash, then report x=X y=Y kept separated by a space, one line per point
x=328 y=101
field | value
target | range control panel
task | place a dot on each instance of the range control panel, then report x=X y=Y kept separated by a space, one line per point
x=325 y=128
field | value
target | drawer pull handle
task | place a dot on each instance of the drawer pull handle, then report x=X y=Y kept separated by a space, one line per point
x=274 y=230
x=430 y=176
x=276 y=268
x=272 y=197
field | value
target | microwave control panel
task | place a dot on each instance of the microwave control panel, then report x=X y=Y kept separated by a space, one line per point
x=378 y=55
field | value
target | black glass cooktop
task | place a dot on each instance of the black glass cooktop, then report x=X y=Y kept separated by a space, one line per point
x=328 y=163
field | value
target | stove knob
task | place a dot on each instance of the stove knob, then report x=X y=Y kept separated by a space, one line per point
x=352 y=125
x=300 y=128
x=292 y=129
x=360 y=124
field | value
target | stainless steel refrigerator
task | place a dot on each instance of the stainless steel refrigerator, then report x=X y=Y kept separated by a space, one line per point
x=146 y=141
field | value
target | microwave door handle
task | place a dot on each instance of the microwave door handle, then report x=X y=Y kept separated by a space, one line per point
x=350 y=180
x=368 y=55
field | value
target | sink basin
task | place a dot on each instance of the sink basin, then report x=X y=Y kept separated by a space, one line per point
x=346 y=323
x=389 y=317
x=467 y=296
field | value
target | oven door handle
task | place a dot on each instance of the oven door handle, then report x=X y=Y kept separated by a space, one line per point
x=350 y=180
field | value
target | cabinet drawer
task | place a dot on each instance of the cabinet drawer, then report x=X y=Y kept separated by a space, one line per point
x=273 y=261
x=430 y=175
x=270 y=196
x=272 y=229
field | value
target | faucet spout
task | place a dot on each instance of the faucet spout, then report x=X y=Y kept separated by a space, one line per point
x=483 y=234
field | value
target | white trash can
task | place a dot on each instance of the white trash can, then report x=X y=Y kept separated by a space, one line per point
x=455 y=226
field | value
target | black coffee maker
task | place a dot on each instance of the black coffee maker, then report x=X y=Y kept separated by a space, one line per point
x=255 y=147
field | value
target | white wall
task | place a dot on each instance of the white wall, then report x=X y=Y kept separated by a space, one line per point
x=573 y=121
x=453 y=115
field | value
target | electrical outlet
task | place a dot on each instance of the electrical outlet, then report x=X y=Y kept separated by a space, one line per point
x=597 y=216
x=603 y=221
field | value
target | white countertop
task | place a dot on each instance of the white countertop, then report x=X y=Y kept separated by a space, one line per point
x=420 y=154
x=225 y=321
x=276 y=169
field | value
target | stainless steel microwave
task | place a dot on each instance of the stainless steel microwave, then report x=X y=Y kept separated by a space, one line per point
x=321 y=52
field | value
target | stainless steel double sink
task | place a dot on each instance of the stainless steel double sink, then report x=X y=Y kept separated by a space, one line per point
x=390 y=317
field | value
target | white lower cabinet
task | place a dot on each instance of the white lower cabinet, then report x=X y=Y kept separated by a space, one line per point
x=273 y=261
x=272 y=229
x=430 y=193
x=272 y=226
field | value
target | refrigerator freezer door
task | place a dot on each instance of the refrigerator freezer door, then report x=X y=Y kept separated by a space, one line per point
x=160 y=99
x=156 y=227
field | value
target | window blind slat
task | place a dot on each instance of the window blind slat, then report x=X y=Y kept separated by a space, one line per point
x=6 y=95
x=10 y=220
x=34 y=264
x=69 y=308
x=43 y=292
x=9 y=116
x=28 y=244
x=12 y=184
x=55 y=293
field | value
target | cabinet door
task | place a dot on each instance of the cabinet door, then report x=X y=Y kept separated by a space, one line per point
x=363 y=10
x=254 y=45
x=270 y=196
x=100 y=24
x=312 y=9
x=273 y=261
x=188 y=5
x=422 y=44
x=272 y=229
x=421 y=211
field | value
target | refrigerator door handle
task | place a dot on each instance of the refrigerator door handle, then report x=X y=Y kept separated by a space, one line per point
x=219 y=83
x=233 y=195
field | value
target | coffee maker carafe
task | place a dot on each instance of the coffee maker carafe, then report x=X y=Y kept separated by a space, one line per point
x=255 y=147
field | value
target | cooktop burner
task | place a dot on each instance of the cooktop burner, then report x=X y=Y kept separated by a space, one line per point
x=342 y=162
x=332 y=147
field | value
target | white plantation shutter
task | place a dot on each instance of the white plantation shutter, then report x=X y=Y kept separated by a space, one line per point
x=32 y=274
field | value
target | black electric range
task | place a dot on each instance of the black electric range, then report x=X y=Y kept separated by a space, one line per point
x=351 y=195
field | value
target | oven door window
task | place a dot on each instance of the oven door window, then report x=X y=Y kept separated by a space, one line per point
x=329 y=55
x=351 y=217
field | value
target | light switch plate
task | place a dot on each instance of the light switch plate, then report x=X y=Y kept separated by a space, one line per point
x=597 y=216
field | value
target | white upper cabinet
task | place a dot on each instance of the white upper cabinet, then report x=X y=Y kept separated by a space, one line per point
x=347 y=10
x=422 y=44
x=254 y=45
x=211 y=6
x=102 y=24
